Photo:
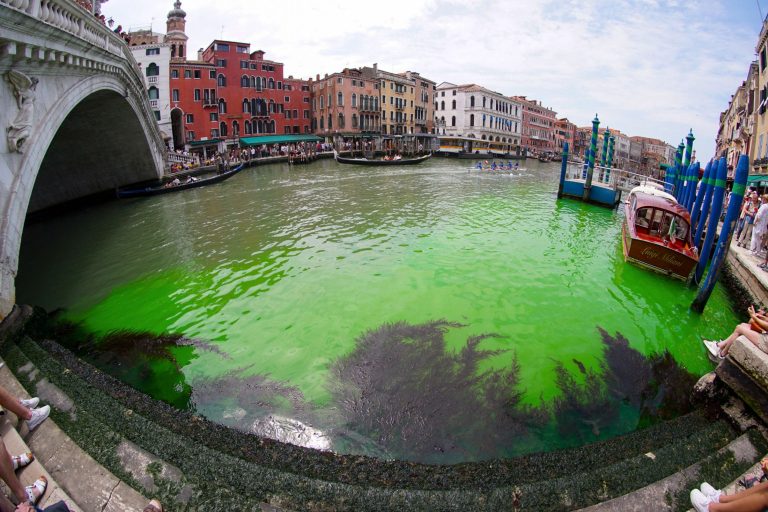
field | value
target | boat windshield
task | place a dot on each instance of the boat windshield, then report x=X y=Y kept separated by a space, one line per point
x=661 y=223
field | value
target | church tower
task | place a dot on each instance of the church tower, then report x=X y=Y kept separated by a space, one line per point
x=175 y=34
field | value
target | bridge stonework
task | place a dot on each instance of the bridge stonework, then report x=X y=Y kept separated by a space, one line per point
x=75 y=118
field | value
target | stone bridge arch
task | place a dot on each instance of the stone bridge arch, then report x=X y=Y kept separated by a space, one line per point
x=92 y=129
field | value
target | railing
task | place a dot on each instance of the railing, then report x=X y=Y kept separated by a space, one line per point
x=154 y=104
x=176 y=158
x=152 y=79
x=609 y=177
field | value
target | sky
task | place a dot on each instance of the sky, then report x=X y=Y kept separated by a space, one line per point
x=655 y=68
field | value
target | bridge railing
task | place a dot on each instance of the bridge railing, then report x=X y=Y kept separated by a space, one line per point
x=610 y=177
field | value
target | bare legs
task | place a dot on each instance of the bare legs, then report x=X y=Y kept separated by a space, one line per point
x=9 y=475
x=754 y=499
x=724 y=346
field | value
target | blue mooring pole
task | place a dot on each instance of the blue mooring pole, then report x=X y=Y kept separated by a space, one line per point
x=700 y=196
x=693 y=180
x=679 y=171
x=669 y=179
x=563 y=167
x=592 y=154
x=724 y=242
x=706 y=204
x=714 y=218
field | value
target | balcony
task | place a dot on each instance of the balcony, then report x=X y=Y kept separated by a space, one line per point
x=154 y=104
x=152 y=79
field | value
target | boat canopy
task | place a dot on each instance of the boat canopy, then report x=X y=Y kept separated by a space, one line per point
x=643 y=200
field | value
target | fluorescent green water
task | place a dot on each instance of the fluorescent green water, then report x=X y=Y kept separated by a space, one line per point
x=283 y=269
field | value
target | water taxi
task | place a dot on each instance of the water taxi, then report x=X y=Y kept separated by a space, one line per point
x=656 y=233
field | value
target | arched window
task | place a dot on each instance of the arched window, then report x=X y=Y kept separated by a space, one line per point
x=472 y=120
x=154 y=93
x=247 y=127
x=253 y=82
x=471 y=101
x=483 y=101
x=221 y=81
x=153 y=70
x=271 y=106
x=235 y=129
x=453 y=104
x=254 y=107
x=322 y=123
x=260 y=127
x=245 y=81
x=354 y=116
x=271 y=127
x=341 y=121
x=271 y=83
x=453 y=120
x=222 y=106
x=223 y=129
x=340 y=100
x=354 y=100
x=263 y=83
x=246 y=107
x=330 y=122
x=442 y=105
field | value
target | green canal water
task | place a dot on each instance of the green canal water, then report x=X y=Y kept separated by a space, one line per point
x=425 y=313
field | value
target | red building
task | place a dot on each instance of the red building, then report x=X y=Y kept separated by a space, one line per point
x=538 y=126
x=230 y=92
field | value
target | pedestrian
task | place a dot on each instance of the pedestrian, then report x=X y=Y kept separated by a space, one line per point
x=750 y=209
x=760 y=225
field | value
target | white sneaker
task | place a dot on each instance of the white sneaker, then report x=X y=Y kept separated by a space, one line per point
x=699 y=501
x=713 y=348
x=30 y=403
x=38 y=416
x=710 y=492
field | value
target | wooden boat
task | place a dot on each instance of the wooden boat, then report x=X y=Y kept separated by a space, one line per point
x=656 y=233
x=124 y=193
x=365 y=161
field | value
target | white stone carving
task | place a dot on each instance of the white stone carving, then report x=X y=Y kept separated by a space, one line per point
x=21 y=127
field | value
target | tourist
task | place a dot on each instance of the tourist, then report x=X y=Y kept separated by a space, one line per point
x=709 y=499
x=748 y=211
x=760 y=225
x=8 y=467
x=153 y=506
x=755 y=331
x=25 y=409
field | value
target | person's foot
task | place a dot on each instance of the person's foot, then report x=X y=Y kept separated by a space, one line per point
x=699 y=501
x=712 y=347
x=38 y=416
x=36 y=490
x=153 y=506
x=710 y=492
x=30 y=403
x=19 y=461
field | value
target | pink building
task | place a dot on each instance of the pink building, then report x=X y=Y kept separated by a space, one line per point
x=345 y=104
x=565 y=131
x=538 y=126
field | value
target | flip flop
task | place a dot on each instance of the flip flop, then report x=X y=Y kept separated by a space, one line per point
x=19 y=461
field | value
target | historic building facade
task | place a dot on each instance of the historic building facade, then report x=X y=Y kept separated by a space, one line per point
x=565 y=131
x=345 y=104
x=538 y=133
x=473 y=111
x=154 y=57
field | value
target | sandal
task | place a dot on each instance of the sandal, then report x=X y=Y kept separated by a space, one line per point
x=38 y=485
x=19 y=461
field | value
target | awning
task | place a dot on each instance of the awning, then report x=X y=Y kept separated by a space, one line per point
x=278 y=139
x=754 y=179
x=208 y=142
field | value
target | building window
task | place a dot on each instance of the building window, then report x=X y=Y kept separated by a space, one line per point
x=242 y=49
x=187 y=73
x=154 y=93
x=215 y=133
x=190 y=135
x=453 y=104
x=222 y=47
x=287 y=99
x=214 y=116
x=280 y=86
x=354 y=100
x=223 y=129
x=271 y=83
x=197 y=74
x=245 y=81
x=340 y=100
x=453 y=120
x=243 y=64
x=197 y=94
x=157 y=114
x=472 y=120
x=222 y=107
x=153 y=70
x=190 y=118
x=153 y=51
x=221 y=81
x=175 y=95
x=221 y=63
x=174 y=73
x=442 y=105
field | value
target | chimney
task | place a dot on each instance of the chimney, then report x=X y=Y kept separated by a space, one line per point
x=318 y=77
x=200 y=54
x=375 y=67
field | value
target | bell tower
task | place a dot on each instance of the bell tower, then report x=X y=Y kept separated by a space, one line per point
x=175 y=34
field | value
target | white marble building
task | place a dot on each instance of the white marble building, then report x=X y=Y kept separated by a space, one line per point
x=473 y=111
x=154 y=60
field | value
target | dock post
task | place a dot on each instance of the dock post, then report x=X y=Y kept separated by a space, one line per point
x=706 y=203
x=563 y=167
x=714 y=218
x=592 y=152
x=696 y=209
x=724 y=242
x=604 y=155
x=693 y=180
x=609 y=163
x=679 y=171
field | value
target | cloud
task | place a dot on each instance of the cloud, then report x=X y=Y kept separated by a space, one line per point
x=648 y=67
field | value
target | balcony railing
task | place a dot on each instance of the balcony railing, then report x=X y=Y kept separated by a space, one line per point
x=154 y=104
x=152 y=79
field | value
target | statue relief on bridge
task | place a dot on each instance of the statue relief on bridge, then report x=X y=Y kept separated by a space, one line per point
x=21 y=127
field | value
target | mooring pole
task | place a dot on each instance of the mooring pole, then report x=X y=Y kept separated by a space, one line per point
x=679 y=171
x=693 y=180
x=563 y=167
x=706 y=204
x=696 y=210
x=592 y=153
x=724 y=242
x=714 y=218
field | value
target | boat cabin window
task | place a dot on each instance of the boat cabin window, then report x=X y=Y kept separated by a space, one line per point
x=643 y=217
x=662 y=223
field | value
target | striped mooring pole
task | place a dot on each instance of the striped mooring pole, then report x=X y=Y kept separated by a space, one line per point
x=724 y=242
x=592 y=153
x=563 y=167
x=714 y=218
x=696 y=210
x=706 y=203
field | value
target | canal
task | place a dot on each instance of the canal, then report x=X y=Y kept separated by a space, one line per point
x=426 y=313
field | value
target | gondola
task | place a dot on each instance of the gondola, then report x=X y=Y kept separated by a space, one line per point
x=163 y=189
x=365 y=161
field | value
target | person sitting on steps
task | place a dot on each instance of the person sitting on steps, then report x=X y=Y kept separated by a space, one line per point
x=8 y=466
x=755 y=331
x=709 y=499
